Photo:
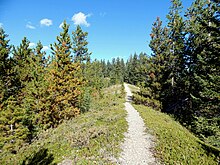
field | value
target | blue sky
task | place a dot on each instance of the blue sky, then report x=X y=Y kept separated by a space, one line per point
x=115 y=27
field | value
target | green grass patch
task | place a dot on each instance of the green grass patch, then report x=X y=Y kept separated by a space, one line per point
x=175 y=144
x=92 y=138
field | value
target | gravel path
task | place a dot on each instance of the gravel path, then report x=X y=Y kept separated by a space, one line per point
x=137 y=145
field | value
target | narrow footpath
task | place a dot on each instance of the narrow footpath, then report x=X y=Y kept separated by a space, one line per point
x=138 y=144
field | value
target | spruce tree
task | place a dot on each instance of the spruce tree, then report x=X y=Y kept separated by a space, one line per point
x=108 y=68
x=5 y=67
x=21 y=56
x=64 y=83
x=156 y=69
x=143 y=68
x=80 y=43
x=16 y=117
x=203 y=63
x=35 y=89
x=113 y=76
x=13 y=126
x=175 y=87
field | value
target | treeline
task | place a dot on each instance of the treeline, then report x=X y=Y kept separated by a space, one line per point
x=182 y=75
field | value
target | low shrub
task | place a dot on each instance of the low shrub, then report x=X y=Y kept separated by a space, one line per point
x=175 y=144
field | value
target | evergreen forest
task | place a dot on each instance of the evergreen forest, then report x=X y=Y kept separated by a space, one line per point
x=40 y=91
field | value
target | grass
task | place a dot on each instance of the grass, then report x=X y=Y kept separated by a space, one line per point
x=92 y=138
x=175 y=144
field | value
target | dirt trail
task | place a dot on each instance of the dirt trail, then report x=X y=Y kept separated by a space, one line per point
x=137 y=145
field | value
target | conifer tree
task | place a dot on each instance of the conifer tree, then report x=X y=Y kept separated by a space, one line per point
x=80 y=43
x=82 y=56
x=113 y=77
x=13 y=126
x=156 y=68
x=21 y=56
x=35 y=89
x=16 y=116
x=122 y=66
x=128 y=70
x=104 y=68
x=132 y=72
x=95 y=75
x=175 y=88
x=143 y=68
x=203 y=63
x=5 y=66
x=108 y=68
x=64 y=83
x=160 y=58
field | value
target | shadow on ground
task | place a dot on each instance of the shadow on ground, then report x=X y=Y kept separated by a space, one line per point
x=41 y=157
x=129 y=98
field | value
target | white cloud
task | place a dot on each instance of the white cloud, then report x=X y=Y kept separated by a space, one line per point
x=46 y=22
x=45 y=48
x=61 y=25
x=29 y=26
x=31 y=44
x=1 y=25
x=80 y=19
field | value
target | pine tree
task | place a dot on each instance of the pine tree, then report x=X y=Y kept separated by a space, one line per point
x=95 y=75
x=104 y=68
x=175 y=87
x=156 y=69
x=80 y=43
x=122 y=65
x=21 y=57
x=119 y=71
x=113 y=77
x=143 y=68
x=15 y=117
x=5 y=67
x=203 y=67
x=64 y=83
x=35 y=89
x=132 y=72
x=108 y=69
x=127 y=77
x=14 y=122
x=134 y=69
x=160 y=61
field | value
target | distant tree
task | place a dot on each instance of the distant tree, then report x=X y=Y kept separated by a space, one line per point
x=123 y=69
x=108 y=68
x=143 y=68
x=132 y=72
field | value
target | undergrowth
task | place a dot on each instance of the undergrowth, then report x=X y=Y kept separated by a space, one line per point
x=175 y=144
x=92 y=138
